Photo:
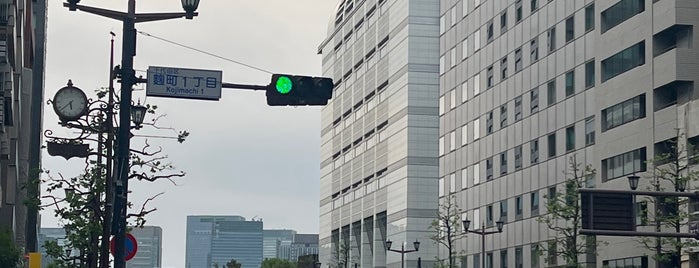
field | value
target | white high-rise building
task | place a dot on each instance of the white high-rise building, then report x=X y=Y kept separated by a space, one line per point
x=150 y=247
x=527 y=84
x=379 y=155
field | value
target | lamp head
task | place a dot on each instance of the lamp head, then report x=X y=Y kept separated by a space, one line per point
x=633 y=181
x=500 y=224
x=388 y=244
x=467 y=224
x=138 y=113
x=681 y=184
x=189 y=7
x=416 y=244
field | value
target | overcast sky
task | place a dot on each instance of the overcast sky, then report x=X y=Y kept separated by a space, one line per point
x=242 y=157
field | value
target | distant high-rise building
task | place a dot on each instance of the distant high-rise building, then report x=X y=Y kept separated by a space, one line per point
x=304 y=244
x=219 y=239
x=149 y=254
x=273 y=240
x=49 y=234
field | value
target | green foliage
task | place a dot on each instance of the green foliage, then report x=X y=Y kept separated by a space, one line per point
x=670 y=169
x=565 y=218
x=231 y=264
x=446 y=229
x=307 y=261
x=277 y=263
x=9 y=253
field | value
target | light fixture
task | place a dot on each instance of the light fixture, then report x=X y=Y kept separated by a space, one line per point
x=681 y=184
x=416 y=244
x=467 y=223
x=189 y=7
x=633 y=181
x=68 y=250
x=388 y=244
x=500 y=224
x=138 y=113
x=73 y=5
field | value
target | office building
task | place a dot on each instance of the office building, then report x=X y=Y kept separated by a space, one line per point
x=219 y=239
x=379 y=162
x=22 y=57
x=527 y=84
x=46 y=235
x=274 y=240
x=303 y=245
x=150 y=247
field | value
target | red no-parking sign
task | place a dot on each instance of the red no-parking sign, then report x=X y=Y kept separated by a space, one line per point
x=130 y=245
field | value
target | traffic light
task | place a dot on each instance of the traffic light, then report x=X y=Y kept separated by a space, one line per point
x=296 y=90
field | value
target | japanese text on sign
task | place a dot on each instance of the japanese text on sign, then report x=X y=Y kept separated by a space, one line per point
x=184 y=83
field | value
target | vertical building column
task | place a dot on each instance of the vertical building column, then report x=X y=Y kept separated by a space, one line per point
x=367 y=243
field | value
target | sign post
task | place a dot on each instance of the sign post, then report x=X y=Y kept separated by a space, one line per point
x=184 y=83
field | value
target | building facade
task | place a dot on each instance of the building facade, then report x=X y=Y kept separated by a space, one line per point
x=150 y=247
x=527 y=84
x=273 y=242
x=303 y=245
x=219 y=239
x=22 y=56
x=379 y=162
x=50 y=234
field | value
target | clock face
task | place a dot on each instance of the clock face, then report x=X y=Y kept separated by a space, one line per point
x=70 y=103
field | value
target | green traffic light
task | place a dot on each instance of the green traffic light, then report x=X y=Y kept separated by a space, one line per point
x=284 y=85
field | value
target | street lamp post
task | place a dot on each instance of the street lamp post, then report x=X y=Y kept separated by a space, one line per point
x=128 y=79
x=500 y=224
x=402 y=250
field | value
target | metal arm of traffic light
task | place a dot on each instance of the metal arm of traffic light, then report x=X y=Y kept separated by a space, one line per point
x=244 y=86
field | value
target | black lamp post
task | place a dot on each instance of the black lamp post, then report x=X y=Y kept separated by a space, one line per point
x=482 y=232
x=402 y=250
x=138 y=113
x=128 y=79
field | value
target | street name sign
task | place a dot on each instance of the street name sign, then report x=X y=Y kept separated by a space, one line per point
x=184 y=83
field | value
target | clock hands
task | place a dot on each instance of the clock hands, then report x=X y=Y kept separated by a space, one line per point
x=70 y=104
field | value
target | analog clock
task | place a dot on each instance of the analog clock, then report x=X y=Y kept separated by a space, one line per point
x=70 y=103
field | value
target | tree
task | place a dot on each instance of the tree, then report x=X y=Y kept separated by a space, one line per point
x=307 y=261
x=9 y=253
x=564 y=217
x=277 y=263
x=230 y=264
x=671 y=169
x=84 y=203
x=447 y=228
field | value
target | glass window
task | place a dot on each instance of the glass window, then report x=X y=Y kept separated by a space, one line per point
x=441 y=186
x=519 y=258
x=534 y=4
x=590 y=131
x=519 y=208
x=518 y=157
x=464 y=135
x=503 y=258
x=570 y=29
x=534 y=151
x=624 y=164
x=534 y=100
x=570 y=138
x=551 y=92
x=552 y=145
x=534 y=203
x=570 y=83
x=489 y=215
x=624 y=112
x=477 y=40
x=464 y=178
x=489 y=123
x=620 y=12
x=518 y=59
x=590 y=17
x=464 y=8
x=490 y=80
x=623 y=61
x=503 y=115
x=551 y=39
x=503 y=210
x=476 y=84
x=503 y=163
x=503 y=68
x=590 y=74
x=518 y=108
x=518 y=11
x=503 y=22
x=534 y=253
x=490 y=31
x=476 y=129
x=464 y=49
x=464 y=91
x=441 y=146
x=489 y=169
x=452 y=141
x=534 y=49
x=476 y=178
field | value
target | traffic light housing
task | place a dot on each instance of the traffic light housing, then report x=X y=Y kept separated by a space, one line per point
x=296 y=90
